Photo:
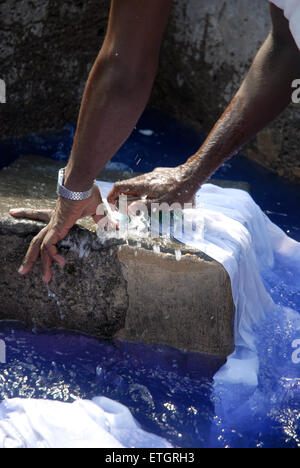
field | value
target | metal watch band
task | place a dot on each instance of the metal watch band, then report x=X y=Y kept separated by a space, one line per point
x=65 y=193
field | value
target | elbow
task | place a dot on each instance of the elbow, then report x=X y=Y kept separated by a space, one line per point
x=285 y=45
x=284 y=55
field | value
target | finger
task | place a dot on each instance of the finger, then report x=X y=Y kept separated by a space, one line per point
x=114 y=195
x=97 y=218
x=40 y=215
x=48 y=255
x=49 y=246
x=46 y=266
x=32 y=253
x=119 y=190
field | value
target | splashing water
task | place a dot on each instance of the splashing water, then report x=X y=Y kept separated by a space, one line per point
x=56 y=299
x=178 y=255
x=156 y=249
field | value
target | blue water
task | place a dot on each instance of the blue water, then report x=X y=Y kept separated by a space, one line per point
x=169 y=392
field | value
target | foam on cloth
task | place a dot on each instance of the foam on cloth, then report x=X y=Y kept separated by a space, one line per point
x=291 y=10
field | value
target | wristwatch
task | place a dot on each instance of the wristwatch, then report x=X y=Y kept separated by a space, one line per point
x=65 y=193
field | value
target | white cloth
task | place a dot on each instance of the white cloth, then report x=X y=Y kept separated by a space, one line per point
x=291 y=10
x=100 y=423
x=244 y=240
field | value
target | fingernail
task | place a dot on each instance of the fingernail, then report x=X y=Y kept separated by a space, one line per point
x=21 y=270
x=46 y=279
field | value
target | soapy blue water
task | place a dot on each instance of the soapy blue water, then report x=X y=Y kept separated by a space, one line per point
x=268 y=415
x=169 y=392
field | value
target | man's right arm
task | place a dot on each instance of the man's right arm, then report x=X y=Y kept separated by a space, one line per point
x=264 y=94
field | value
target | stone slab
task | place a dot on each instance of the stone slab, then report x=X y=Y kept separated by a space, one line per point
x=187 y=302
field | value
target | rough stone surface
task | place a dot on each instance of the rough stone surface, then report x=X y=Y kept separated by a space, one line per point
x=46 y=51
x=48 y=47
x=197 y=312
x=89 y=295
x=111 y=289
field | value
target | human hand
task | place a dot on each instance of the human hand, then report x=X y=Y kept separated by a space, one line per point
x=61 y=220
x=163 y=185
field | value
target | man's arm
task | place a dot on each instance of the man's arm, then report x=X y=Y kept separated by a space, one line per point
x=263 y=95
x=118 y=88
x=116 y=94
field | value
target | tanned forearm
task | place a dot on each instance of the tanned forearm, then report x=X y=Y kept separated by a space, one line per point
x=118 y=87
x=264 y=94
x=108 y=116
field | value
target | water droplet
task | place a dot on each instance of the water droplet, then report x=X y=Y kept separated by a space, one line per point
x=156 y=248
x=178 y=255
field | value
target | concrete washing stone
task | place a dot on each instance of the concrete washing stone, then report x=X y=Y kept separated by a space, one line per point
x=111 y=289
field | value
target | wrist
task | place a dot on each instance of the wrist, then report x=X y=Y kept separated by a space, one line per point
x=76 y=181
x=194 y=173
x=64 y=192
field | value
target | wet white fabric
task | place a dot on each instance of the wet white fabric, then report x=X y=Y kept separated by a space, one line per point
x=100 y=423
x=291 y=10
x=242 y=238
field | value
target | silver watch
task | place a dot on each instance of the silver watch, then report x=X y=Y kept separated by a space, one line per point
x=65 y=193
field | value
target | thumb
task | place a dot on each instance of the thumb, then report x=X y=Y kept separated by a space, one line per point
x=114 y=195
x=131 y=190
x=97 y=218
